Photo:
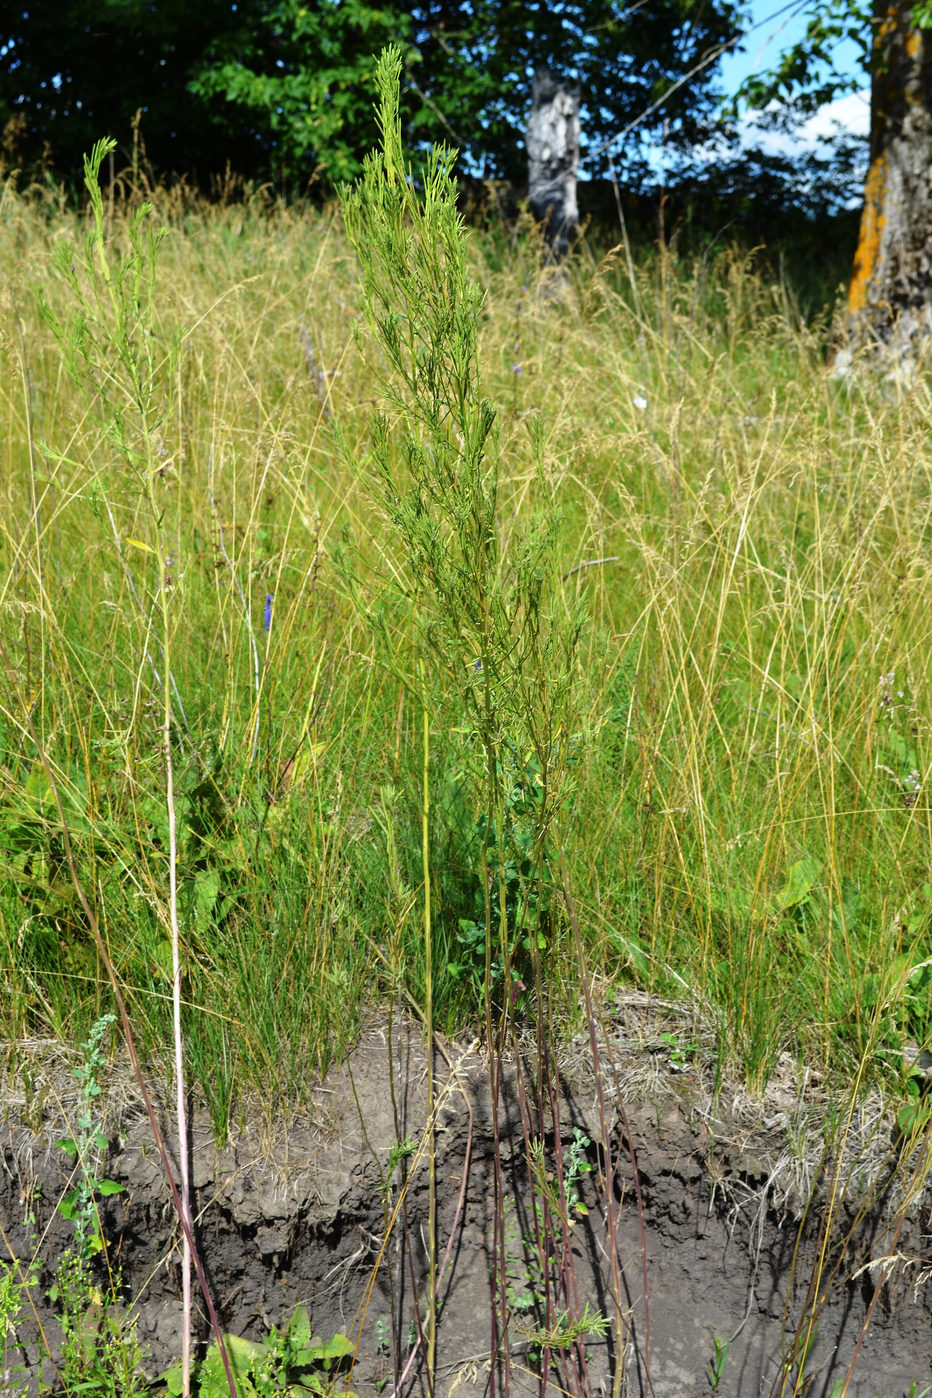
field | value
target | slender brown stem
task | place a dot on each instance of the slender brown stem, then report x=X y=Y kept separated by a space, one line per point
x=429 y=1015
x=181 y=1121
x=104 y=954
x=611 y=1223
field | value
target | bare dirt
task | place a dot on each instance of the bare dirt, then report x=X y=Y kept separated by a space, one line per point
x=740 y=1200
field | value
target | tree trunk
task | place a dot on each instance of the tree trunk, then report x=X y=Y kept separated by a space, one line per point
x=553 y=160
x=890 y=297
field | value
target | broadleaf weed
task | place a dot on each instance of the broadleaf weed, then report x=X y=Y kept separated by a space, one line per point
x=85 y=1147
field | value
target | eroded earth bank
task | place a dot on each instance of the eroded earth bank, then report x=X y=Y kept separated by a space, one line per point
x=776 y=1225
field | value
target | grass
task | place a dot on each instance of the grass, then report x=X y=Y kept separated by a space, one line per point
x=745 y=818
x=384 y=621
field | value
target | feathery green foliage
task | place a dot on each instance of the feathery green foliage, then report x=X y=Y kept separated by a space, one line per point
x=489 y=613
x=742 y=801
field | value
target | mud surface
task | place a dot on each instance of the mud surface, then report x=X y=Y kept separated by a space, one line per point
x=738 y=1203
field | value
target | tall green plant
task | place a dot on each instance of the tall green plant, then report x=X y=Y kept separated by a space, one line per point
x=493 y=634
x=489 y=617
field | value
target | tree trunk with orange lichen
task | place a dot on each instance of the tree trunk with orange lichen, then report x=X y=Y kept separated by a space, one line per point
x=890 y=297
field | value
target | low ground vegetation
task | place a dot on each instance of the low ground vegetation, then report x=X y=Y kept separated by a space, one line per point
x=749 y=815
x=503 y=675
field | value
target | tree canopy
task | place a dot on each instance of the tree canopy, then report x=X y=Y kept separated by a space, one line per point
x=283 y=87
x=806 y=74
x=76 y=70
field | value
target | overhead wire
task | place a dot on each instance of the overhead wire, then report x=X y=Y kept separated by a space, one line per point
x=794 y=7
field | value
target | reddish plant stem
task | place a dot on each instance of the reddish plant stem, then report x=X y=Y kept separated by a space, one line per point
x=610 y=1219
x=127 y=1035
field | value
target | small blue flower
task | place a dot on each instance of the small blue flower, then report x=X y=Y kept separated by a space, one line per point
x=267 y=615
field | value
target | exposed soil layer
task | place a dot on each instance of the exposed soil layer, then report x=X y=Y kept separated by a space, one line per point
x=738 y=1205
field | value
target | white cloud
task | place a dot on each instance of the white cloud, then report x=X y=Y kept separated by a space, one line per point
x=848 y=116
x=851 y=115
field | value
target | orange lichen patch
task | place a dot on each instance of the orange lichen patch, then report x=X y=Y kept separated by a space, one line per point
x=890 y=23
x=873 y=223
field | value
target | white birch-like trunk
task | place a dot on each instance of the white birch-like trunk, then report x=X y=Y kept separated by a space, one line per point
x=553 y=160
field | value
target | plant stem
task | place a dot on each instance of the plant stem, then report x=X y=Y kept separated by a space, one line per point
x=429 y=1015
x=181 y=1117
x=107 y=963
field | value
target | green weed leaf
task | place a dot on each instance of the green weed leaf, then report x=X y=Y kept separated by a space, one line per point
x=800 y=881
x=299 y=1328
